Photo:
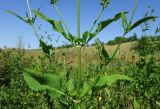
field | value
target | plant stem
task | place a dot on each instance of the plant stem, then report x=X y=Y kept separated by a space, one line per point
x=60 y=15
x=78 y=48
x=79 y=68
x=133 y=12
x=115 y=52
x=35 y=32
x=29 y=8
x=99 y=15
x=78 y=18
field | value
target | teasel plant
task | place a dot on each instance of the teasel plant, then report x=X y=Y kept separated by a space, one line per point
x=73 y=93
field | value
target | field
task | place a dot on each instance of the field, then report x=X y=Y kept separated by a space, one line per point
x=89 y=54
x=16 y=94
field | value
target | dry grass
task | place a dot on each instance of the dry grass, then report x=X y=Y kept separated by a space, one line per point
x=89 y=54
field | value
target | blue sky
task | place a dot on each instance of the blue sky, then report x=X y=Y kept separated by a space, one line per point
x=12 y=28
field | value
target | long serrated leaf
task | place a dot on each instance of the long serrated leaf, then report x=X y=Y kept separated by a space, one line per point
x=105 y=81
x=104 y=24
x=70 y=85
x=86 y=89
x=124 y=21
x=85 y=35
x=41 y=82
x=33 y=83
x=139 y=22
x=16 y=15
x=57 y=25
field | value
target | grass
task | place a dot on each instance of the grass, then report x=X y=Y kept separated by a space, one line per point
x=88 y=53
x=138 y=70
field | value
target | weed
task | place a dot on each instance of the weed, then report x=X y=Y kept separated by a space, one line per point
x=75 y=93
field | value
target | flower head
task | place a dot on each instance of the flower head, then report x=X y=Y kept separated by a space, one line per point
x=104 y=3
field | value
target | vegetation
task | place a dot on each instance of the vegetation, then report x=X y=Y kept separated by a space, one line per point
x=148 y=45
x=122 y=40
x=48 y=82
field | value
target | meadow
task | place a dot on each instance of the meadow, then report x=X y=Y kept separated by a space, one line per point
x=141 y=94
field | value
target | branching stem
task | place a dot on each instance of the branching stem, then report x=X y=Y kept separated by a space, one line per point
x=99 y=15
x=60 y=15
x=135 y=7
x=29 y=8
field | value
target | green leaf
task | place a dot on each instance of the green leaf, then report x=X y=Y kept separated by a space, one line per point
x=70 y=37
x=105 y=81
x=63 y=102
x=47 y=49
x=157 y=30
x=33 y=83
x=124 y=21
x=40 y=82
x=85 y=35
x=70 y=85
x=105 y=53
x=136 y=104
x=86 y=89
x=158 y=103
x=104 y=24
x=57 y=25
x=139 y=22
x=16 y=15
x=91 y=36
x=78 y=40
x=27 y=20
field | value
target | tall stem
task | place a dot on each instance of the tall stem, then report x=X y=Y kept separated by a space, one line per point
x=35 y=32
x=78 y=48
x=60 y=15
x=115 y=52
x=133 y=12
x=78 y=18
x=29 y=8
x=79 y=68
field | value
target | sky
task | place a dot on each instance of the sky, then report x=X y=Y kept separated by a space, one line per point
x=13 y=29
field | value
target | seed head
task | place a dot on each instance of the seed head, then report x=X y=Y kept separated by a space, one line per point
x=104 y=3
x=54 y=1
